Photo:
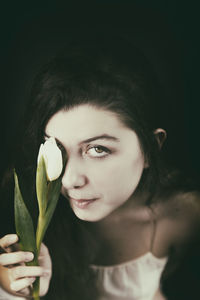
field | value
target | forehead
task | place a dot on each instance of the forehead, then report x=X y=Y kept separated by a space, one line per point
x=84 y=119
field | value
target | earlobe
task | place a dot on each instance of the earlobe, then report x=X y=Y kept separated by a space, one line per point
x=160 y=135
x=146 y=164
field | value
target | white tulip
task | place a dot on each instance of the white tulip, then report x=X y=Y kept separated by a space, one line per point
x=53 y=158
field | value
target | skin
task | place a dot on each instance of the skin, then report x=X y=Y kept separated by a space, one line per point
x=109 y=171
x=106 y=169
x=118 y=212
x=15 y=277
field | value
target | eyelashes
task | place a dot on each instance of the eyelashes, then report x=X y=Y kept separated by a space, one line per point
x=98 y=151
x=93 y=151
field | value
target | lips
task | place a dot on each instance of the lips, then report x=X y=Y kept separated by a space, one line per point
x=82 y=203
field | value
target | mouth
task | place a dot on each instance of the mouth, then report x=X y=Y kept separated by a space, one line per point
x=82 y=203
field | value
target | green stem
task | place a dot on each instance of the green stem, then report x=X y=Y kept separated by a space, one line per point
x=36 y=289
x=39 y=233
x=39 y=237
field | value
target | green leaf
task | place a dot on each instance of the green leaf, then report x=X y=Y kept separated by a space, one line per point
x=41 y=186
x=23 y=221
x=53 y=196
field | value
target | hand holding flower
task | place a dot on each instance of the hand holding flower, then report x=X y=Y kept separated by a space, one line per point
x=15 y=277
x=48 y=185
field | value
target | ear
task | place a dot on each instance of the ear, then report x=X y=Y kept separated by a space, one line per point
x=160 y=135
x=146 y=164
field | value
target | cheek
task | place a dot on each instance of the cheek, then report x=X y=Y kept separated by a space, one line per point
x=117 y=176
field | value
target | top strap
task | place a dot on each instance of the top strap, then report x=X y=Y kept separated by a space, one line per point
x=153 y=230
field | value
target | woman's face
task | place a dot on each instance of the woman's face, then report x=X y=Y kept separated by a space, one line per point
x=105 y=161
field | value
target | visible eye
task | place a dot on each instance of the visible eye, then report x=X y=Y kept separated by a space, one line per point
x=98 y=151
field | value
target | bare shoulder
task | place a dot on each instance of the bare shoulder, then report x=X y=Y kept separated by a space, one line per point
x=178 y=217
x=183 y=206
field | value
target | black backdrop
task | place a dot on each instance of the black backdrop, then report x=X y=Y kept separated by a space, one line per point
x=167 y=31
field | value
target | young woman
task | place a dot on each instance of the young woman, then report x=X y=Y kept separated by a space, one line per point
x=124 y=218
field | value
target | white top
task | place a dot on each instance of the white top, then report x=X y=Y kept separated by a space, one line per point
x=138 y=279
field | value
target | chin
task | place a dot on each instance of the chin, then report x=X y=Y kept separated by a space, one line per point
x=90 y=216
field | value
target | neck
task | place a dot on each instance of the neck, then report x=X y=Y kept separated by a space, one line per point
x=134 y=210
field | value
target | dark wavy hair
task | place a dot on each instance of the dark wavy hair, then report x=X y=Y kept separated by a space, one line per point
x=110 y=74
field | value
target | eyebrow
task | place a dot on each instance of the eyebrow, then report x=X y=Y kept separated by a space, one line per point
x=99 y=137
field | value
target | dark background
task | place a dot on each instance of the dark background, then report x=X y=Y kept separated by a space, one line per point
x=166 y=31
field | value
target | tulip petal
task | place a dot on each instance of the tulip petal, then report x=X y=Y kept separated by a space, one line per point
x=53 y=159
x=40 y=154
x=41 y=185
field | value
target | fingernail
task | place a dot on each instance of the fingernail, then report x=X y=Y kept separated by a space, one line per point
x=29 y=256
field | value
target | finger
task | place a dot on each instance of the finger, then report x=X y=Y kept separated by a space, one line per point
x=45 y=261
x=24 y=292
x=20 y=284
x=24 y=271
x=44 y=258
x=43 y=251
x=15 y=257
x=8 y=240
x=44 y=285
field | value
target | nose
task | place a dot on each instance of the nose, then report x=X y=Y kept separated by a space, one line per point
x=74 y=176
